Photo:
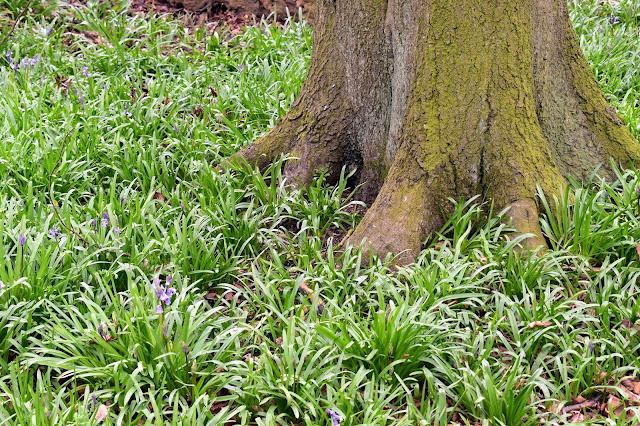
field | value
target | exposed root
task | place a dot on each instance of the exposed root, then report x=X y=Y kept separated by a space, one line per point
x=524 y=217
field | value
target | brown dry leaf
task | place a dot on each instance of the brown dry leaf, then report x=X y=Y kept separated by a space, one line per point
x=632 y=396
x=159 y=196
x=614 y=405
x=93 y=37
x=638 y=249
x=540 y=324
x=103 y=413
x=579 y=399
x=578 y=418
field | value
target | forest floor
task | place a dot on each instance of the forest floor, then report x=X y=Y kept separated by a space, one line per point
x=140 y=285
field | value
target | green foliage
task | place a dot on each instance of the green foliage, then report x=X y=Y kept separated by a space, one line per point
x=474 y=331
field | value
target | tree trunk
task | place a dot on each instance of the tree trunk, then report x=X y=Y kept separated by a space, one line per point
x=435 y=99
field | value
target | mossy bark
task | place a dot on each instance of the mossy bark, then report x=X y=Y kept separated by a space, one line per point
x=433 y=99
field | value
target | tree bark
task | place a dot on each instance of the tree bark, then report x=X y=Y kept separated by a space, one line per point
x=433 y=99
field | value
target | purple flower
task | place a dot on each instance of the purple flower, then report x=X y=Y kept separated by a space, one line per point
x=185 y=348
x=49 y=31
x=9 y=57
x=182 y=207
x=94 y=222
x=82 y=101
x=23 y=240
x=592 y=347
x=122 y=200
x=34 y=60
x=94 y=399
x=105 y=219
x=335 y=418
x=126 y=111
x=163 y=292
x=175 y=127
x=638 y=191
x=25 y=63
x=85 y=72
x=159 y=310
x=42 y=80
x=54 y=232
x=117 y=231
x=102 y=332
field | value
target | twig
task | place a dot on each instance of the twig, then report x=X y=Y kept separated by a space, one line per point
x=589 y=403
x=24 y=10
x=304 y=288
x=559 y=245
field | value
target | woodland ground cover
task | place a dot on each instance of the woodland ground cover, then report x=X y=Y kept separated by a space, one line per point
x=142 y=286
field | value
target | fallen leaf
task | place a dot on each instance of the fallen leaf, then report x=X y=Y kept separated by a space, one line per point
x=579 y=399
x=540 y=324
x=103 y=413
x=578 y=418
x=615 y=405
x=638 y=249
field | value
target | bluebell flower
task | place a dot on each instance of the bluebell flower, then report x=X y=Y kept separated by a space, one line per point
x=49 y=31
x=9 y=57
x=182 y=207
x=164 y=293
x=23 y=240
x=117 y=231
x=592 y=347
x=175 y=127
x=34 y=60
x=105 y=219
x=82 y=101
x=126 y=112
x=85 y=72
x=122 y=200
x=102 y=331
x=159 y=309
x=335 y=418
x=54 y=232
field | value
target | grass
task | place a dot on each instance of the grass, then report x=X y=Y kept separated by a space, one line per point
x=105 y=168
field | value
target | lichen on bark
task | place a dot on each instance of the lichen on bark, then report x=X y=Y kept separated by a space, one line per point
x=431 y=100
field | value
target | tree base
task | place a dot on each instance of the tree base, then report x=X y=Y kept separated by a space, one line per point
x=429 y=101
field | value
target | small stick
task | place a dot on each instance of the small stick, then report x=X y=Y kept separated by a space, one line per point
x=5 y=38
x=589 y=403
x=304 y=289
